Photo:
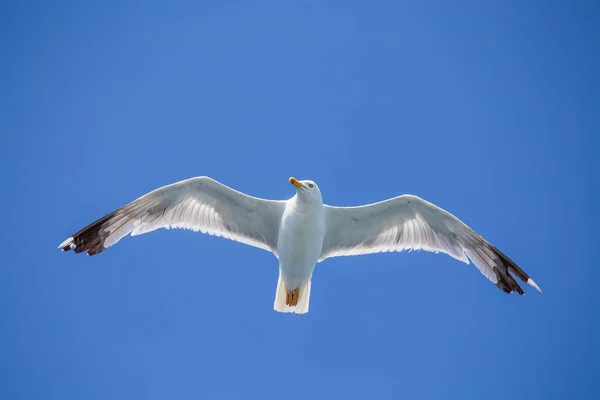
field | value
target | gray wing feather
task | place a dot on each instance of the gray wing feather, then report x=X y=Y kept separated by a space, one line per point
x=200 y=204
x=410 y=223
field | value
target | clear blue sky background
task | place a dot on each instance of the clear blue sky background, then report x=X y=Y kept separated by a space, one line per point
x=487 y=110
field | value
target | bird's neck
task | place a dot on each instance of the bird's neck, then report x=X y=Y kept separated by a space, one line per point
x=304 y=204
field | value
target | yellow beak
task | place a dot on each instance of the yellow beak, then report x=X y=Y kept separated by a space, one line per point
x=297 y=183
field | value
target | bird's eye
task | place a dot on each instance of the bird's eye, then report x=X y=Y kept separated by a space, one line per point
x=310 y=185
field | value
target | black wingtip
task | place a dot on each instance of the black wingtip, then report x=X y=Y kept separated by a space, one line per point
x=505 y=280
x=90 y=239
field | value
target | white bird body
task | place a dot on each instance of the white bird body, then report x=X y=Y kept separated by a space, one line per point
x=300 y=240
x=301 y=231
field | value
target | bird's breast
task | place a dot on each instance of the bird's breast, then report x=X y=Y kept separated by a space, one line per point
x=300 y=240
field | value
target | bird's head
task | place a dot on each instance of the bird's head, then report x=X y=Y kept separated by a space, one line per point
x=306 y=190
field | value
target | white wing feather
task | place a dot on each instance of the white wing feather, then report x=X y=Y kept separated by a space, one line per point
x=410 y=223
x=200 y=204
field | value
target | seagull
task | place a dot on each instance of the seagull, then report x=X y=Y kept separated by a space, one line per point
x=301 y=231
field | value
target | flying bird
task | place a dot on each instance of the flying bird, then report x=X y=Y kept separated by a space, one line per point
x=301 y=231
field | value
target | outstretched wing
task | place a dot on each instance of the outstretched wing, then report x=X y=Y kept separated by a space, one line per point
x=200 y=204
x=410 y=223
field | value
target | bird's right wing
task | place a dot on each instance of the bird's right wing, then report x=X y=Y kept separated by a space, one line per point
x=410 y=223
x=200 y=204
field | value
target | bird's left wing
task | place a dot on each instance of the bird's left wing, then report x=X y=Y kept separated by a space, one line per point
x=200 y=204
x=410 y=223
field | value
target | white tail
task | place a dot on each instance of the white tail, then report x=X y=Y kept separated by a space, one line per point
x=282 y=294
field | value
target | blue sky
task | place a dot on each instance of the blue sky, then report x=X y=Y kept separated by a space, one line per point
x=487 y=110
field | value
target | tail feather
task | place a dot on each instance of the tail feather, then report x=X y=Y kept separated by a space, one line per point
x=282 y=294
